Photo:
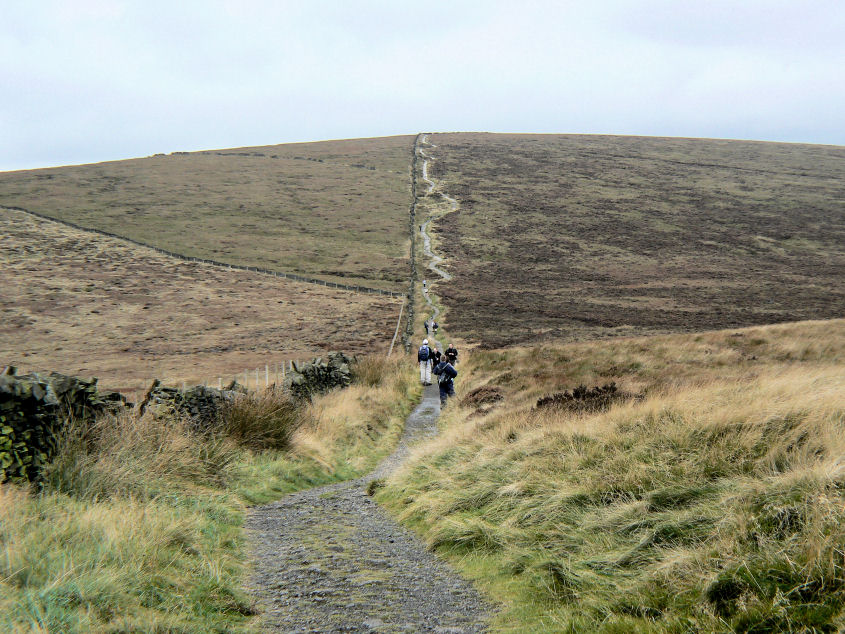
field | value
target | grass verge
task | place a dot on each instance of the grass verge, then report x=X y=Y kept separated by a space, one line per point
x=139 y=524
x=712 y=498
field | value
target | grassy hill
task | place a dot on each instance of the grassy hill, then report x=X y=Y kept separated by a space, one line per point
x=705 y=494
x=336 y=210
x=573 y=237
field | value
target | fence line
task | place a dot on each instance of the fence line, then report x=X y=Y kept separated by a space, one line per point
x=227 y=265
x=396 y=334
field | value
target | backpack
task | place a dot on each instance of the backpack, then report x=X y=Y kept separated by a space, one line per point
x=423 y=354
x=443 y=378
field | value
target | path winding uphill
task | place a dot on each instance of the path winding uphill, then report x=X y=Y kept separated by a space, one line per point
x=331 y=560
x=435 y=259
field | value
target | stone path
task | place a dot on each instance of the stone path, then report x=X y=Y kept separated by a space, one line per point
x=331 y=560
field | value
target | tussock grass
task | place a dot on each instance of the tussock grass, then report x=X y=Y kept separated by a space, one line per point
x=372 y=369
x=139 y=524
x=129 y=456
x=67 y=565
x=369 y=414
x=715 y=503
x=262 y=420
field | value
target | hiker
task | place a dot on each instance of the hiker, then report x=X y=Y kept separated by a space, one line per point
x=445 y=380
x=424 y=357
x=435 y=356
x=425 y=289
x=426 y=326
x=434 y=326
x=452 y=354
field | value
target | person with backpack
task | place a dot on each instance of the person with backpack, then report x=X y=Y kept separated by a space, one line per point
x=424 y=356
x=446 y=374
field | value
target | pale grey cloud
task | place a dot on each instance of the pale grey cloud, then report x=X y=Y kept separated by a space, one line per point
x=94 y=80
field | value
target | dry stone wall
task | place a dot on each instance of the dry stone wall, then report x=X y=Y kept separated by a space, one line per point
x=319 y=376
x=33 y=411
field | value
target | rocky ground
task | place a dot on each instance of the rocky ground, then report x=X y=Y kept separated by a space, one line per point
x=331 y=560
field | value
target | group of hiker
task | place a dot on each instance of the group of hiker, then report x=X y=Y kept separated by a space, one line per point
x=440 y=364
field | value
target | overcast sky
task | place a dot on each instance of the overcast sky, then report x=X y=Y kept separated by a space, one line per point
x=93 y=80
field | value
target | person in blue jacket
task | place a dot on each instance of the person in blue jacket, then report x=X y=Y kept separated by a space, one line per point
x=446 y=374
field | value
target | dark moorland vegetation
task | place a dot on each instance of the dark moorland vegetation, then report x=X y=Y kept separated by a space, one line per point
x=573 y=237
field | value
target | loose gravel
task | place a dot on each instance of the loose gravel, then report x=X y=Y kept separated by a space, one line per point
x=330 y=560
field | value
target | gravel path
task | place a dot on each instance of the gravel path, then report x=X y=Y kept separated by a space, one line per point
x=331 y=560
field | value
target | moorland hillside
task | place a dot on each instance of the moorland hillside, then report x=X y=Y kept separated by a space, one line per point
x=89 y=305
x=335 y=210
x=576 y=236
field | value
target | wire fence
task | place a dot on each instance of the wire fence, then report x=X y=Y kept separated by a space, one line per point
x=232 y=267
x=264 y=377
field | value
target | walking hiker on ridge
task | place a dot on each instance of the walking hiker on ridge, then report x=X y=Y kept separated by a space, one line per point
x=435 y=357
x=452 y=354
x=445 y=380
x=424 y=356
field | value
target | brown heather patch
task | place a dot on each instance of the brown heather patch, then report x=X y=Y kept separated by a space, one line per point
x=88 y=305
x=484 y=395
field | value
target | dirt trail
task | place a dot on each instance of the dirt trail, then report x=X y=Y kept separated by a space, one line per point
x=452 y=206
x=331 y=560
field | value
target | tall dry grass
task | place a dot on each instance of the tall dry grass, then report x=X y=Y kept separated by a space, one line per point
x=262 y=420
x=716 y=502
x=138 y=526
x=352 y=429
x=127 y=455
